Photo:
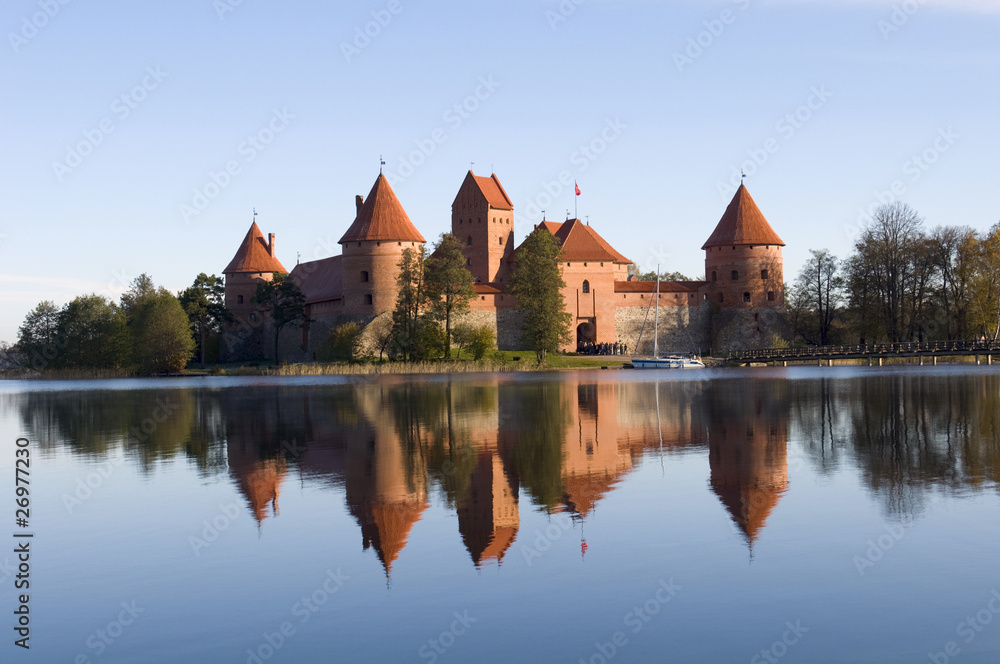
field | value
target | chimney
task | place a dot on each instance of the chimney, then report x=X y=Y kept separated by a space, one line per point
x=270 y=244
x=360 y=201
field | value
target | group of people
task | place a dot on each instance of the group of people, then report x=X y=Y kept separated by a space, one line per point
x=590 y=348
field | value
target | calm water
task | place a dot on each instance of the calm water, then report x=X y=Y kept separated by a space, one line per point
x=800 y=515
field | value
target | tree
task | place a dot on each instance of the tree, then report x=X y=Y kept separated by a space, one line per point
x=886 y=278
x=985 y=284
x=286 y=302
x=161 y=333
x=342 y=344
x=204 y=302
x=95 y=334
x=482 y=341
x=38 y=337
x=449 y=284
x=953 y=250
x=411 y=304
x=537 y=283
x=636 y=272
x=142 y=287
x=818 y=290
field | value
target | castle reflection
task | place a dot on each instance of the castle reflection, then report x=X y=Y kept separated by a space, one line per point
x=566 y=445
x=492 y=447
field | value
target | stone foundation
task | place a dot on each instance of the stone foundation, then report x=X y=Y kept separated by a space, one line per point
x=681 y=329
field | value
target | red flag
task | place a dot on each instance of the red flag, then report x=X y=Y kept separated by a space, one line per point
x=577 y=188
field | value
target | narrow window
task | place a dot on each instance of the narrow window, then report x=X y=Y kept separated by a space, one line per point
x=468 y=261
x=764 y=275
x=770 y=296
x=735 y=275
x=746 y=297
x=500 y=241
x=253 y=318
x=368 y=299
x=468 y=242
x=364 y=276
x=239 y=299
x=586 y=286
x=715 y=276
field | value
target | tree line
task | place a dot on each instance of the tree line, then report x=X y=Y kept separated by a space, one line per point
x=902 y=282
x=148 y=331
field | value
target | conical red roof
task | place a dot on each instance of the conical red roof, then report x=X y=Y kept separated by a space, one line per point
x=382 y=217
x=743 y=223
x=254 y=255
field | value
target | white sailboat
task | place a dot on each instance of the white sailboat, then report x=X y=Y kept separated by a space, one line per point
x=667 y=361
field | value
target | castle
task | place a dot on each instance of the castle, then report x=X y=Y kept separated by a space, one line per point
x=739 y=305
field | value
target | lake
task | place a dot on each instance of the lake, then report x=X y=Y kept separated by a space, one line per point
x=845 y=514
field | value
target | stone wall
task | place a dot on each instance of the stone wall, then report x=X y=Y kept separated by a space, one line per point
x=749 y=329
x=681 y=329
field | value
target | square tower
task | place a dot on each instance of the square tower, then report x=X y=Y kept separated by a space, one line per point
x=482 y=217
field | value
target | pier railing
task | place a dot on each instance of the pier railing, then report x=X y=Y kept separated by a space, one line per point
x=861 y=351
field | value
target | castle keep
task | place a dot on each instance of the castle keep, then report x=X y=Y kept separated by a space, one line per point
x=739 y=305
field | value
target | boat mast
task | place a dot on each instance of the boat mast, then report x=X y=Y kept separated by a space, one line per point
x=656 y=317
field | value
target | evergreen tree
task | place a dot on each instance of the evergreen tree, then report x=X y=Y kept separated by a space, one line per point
x=286 y=302
x=409 y=325
x=537 y=284
x=449 y=284
x=37 y=338
x=205 y=304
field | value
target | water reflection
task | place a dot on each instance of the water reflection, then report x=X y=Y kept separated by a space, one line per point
x=492 y=447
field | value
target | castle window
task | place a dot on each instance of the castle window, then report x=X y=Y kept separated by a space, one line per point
x=253 y=318
x=468 y=261
x=364 y=276
x=401 y=244
x=494 y=220
x=586 y=286
x=764 y=275
x=469 y=241
x=715 y=277
x=746 y=297
x=500 y=241
x=770 y=296
x=735 y=275
x=239 y=299
x=602 y=264
x=585 y=265
x=368 y=299
x=720 y=298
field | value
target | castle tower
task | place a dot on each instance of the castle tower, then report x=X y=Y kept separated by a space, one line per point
x=743 y=263
x=482 y=217
x=488 y=513
x=747 y=455
x=372 y=249
x=254 y=261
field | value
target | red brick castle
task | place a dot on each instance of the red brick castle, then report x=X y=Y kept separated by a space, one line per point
x=739 y=305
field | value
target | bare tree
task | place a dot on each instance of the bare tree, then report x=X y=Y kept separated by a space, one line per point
x=819 y=292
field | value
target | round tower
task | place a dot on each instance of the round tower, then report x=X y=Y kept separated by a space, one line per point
x=254 y=262
x=743 y=262
x=372 y=249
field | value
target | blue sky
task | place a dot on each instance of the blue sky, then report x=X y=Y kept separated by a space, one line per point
x=119 y=120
